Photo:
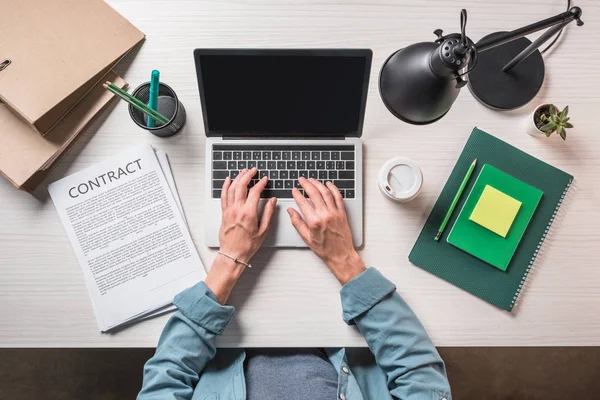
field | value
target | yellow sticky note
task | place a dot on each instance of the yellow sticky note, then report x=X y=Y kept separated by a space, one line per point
x=495 y=211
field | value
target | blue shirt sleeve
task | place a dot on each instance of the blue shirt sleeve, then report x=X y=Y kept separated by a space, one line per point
x=402 y=348
x=186 y=345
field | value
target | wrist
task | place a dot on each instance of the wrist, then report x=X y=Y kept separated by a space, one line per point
x=226 y=268
x=241 y=255
x=347 y=267
x=222 y=277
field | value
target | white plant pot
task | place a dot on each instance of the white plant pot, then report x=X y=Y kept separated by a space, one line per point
x=530 y=127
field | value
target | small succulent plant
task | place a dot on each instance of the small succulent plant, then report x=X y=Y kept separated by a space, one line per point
x=555 y=121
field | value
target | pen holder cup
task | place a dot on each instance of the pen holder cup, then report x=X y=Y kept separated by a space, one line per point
x=168 y=105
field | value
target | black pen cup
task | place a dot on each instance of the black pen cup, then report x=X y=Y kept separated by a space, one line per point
x=168 y=105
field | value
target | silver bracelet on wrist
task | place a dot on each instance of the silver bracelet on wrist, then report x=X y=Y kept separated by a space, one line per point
x=235 y=259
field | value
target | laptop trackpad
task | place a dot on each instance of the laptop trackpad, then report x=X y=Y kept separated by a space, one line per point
x=282 y=232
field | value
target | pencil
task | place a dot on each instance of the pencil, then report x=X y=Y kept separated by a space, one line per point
x=141 y=107
x=455 y=201
x=135 y=100
x=131 y=99
x=137 y=104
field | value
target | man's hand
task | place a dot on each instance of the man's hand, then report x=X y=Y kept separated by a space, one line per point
x=326 y=230
x=242 y=232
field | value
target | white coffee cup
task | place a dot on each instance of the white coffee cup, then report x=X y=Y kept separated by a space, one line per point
x=400 y=179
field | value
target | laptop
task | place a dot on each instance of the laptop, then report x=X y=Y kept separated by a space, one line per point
x=289 y=113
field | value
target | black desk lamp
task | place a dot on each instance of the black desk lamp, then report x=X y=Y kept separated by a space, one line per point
x=420 y=82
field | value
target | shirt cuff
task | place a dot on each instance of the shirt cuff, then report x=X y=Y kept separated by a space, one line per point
x=363 y=292
x=200 y=305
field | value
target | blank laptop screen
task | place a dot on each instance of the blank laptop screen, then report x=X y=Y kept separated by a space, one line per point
x=284 y=94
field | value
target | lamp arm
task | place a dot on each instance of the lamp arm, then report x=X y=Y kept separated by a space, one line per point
x=519 y=58
x=561 y=19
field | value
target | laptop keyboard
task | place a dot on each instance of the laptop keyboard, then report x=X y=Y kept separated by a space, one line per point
x=284 y=165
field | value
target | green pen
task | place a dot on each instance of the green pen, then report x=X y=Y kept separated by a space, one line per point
x=455 y=201
x=153 y=96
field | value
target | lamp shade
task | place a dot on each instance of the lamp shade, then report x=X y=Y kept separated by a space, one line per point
x=417 y=84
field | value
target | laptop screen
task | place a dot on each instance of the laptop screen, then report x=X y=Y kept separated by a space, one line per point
x=283 y=92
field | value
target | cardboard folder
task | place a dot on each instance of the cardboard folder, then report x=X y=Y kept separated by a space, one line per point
x=57 y=51
x=26 y=156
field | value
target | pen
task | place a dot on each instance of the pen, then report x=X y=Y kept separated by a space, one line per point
x=153 y=96
x=455 y=201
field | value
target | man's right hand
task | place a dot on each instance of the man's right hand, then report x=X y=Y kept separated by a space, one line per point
x=326 y=230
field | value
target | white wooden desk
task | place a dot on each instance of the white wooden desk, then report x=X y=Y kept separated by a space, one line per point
x=289 y=299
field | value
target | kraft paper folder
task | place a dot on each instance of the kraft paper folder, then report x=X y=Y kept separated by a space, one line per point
x=58 y=51
x=26 y=156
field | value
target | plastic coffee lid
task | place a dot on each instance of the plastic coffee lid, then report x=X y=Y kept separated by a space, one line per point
x=400 y=179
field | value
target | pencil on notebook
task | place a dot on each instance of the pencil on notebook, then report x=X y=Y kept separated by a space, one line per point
x=134 y=102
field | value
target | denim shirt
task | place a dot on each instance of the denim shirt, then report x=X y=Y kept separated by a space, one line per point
x=402 y=363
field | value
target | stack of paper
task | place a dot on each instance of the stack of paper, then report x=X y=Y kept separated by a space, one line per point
x=126 y=224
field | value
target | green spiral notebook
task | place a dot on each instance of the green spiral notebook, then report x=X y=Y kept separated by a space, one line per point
x=498 y=287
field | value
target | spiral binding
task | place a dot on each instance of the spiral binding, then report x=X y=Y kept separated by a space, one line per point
x=557 y=216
